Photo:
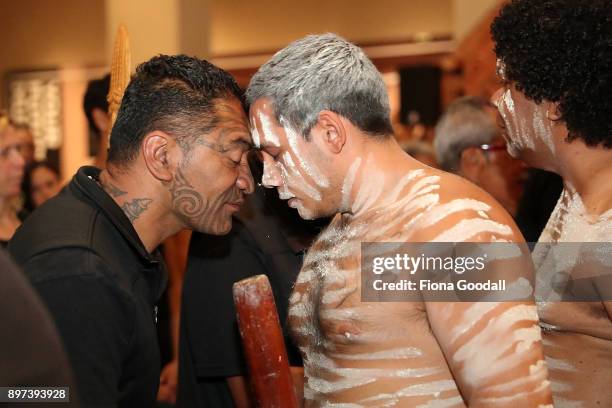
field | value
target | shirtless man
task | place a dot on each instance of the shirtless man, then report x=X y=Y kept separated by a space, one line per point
x=557 y=111
x=320 y=114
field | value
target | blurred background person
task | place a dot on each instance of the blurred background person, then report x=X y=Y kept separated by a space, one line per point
x=95 y=107
x=468 y=142
x=31 y=350
x=422 y=151
x=41 y=181
x=11 y=174
x=25 y=137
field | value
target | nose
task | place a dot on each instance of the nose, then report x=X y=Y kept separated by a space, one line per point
x=496 y=97
x=271 y=174
x=245 y=179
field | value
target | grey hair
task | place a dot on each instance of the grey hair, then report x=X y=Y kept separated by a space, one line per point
x=323 y=72
x=464 y=124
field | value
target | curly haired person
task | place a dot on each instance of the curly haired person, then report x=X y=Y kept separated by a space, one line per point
x=555 y=62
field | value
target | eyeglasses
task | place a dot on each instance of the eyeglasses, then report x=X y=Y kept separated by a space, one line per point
x=493 y=147
x=20 y=148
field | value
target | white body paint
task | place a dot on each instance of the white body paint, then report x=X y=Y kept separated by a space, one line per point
x=384 y=354
x=347 y=185
x=374 y=354
x=577 y=341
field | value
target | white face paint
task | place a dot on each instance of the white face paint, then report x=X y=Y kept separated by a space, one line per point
x=292 y=177
x=305 y=164
x=526 y=124
x=292 y=172
x=269 y=134
x=271 y=174
x=543 y=128
x=255 y=136
x=516 y=135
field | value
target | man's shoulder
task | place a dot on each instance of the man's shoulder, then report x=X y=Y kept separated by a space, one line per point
x=458 y=210
x=66 y=263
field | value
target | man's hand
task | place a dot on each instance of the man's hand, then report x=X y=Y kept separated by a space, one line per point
x=168 y=383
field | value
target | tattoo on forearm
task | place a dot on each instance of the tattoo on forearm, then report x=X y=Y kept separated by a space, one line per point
x=133 y=209
x=112 y=189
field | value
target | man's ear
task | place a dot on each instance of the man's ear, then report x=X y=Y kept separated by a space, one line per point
x=156 y=150
x=552 y=111
x=331 y=131
x=471 y=163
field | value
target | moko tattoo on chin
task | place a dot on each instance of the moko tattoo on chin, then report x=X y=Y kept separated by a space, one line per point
x=185 y=199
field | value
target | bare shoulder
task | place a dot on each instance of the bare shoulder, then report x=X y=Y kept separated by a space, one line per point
x=465 y=212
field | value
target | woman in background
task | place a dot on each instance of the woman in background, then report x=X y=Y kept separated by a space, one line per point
x=40 y=183
x=11 y=174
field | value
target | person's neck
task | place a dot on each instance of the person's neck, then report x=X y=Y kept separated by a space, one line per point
x=6 y=208
x=587 y=171
x=144 y=206
x=382 y=166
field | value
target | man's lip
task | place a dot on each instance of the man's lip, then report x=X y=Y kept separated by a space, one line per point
x=236 y=204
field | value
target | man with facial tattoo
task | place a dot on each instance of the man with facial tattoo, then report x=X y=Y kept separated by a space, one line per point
x=555 y=64
x=320 y=115
x=177 y=160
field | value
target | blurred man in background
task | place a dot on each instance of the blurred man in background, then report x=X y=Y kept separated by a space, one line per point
x=468 y=142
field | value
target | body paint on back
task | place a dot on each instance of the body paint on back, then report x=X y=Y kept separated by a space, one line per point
x=326 y=324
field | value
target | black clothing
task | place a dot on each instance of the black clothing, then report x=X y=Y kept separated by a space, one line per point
x=542 y=191
x=100 y=284
x=210 y=347
x=21 y=215
x=31 y=352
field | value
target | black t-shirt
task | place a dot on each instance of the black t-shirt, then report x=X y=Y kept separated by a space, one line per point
x=21 y=215
x=31 y=352
x=210 y=346
x=87 y=263
x=542 y=191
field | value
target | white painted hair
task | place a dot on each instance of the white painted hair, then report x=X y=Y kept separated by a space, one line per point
x=323 y=72
x=464 y=124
